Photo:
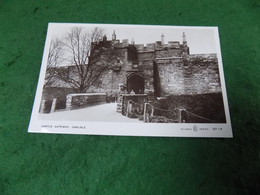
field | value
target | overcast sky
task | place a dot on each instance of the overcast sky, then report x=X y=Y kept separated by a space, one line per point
x=200 y=39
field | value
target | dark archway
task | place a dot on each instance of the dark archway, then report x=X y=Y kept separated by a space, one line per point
x=135 y=82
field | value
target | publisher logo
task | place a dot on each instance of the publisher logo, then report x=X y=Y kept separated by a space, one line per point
x=195 y=128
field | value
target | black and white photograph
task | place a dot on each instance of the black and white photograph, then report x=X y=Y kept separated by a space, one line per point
x=135 y=80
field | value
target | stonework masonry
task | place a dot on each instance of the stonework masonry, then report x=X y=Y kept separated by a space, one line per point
x=167 y=69
x=158 y=69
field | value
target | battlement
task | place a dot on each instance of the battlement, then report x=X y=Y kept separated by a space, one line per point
x=158 y=46
x=174 y=44
x=149 y=47
x=208 y=55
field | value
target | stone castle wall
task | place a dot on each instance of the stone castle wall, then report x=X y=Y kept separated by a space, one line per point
x=110 y=80
x=148 y=71
x=168 y=53
x=167 y=70
x=197 y=74
x=171 y=76
x=202 y=75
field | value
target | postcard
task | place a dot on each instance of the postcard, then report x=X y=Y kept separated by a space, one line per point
x=131 y=80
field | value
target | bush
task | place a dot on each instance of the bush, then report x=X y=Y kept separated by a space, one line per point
x=206 y=105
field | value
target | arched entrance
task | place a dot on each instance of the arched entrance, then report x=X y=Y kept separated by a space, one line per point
x=135 y=82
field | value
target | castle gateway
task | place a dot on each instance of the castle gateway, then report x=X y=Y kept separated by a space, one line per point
x=135 y=83
x=158 y=68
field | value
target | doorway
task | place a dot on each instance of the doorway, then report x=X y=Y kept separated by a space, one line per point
x=135 y=82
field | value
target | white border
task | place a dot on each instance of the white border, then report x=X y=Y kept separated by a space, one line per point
x=129 y=129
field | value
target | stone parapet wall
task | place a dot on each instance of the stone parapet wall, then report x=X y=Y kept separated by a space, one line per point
x=49 y=93
x=145 y=56
x=81 y=100
x=168 y=53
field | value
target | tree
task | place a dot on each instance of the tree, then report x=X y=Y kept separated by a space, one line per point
x=55 y=59
x=89 y=60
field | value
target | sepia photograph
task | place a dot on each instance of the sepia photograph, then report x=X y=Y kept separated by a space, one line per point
x=121 y=79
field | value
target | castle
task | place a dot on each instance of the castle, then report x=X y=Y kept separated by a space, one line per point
x=159 y=68
x=156 y=69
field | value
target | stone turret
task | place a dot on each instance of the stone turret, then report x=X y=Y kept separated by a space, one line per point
x=114 y=36
x=162 y=39
x=104 y=38
x=184 y=42
x=132 y=41
x=185 y=48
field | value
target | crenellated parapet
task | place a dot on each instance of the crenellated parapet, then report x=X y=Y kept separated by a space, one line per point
x=157 y=50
